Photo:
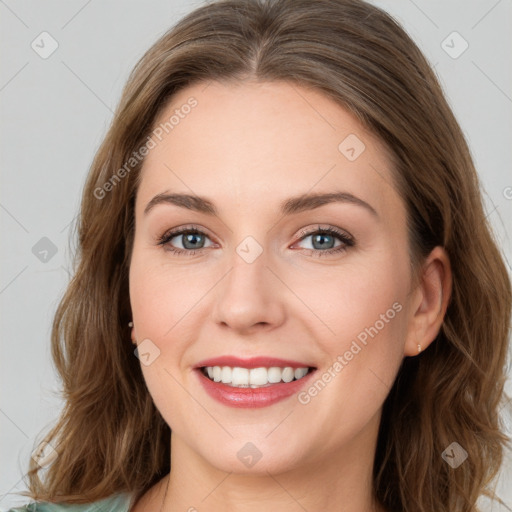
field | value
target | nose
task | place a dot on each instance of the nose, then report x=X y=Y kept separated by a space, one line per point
x=250 y=297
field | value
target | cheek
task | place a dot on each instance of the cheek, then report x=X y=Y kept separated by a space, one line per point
x=160 y=295
x=361 y=300
x=169 y=307
x=373 y=328
x=157 y=305
x=366 y=310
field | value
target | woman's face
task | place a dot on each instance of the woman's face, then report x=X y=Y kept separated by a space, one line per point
x=268 y=168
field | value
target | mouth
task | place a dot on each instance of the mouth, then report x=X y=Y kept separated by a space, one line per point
x=255 y=382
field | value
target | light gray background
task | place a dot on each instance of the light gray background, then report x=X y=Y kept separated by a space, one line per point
x=55 y=112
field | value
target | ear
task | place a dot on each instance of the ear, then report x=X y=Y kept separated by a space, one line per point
x=429 y=301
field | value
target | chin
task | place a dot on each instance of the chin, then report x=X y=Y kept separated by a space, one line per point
x=257 y=458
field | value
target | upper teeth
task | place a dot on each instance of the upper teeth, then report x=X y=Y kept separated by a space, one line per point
x=254 y=377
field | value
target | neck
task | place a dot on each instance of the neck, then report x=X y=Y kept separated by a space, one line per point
x=340 y=480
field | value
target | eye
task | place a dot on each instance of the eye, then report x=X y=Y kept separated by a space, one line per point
x=190 y=238
x=193 y=239
x=323 y=241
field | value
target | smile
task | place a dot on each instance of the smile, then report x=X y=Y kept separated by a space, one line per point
x=254 y=382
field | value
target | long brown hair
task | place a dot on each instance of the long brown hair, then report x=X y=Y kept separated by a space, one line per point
x=110 y=437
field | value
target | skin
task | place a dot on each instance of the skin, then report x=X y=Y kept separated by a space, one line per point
x=248 y=147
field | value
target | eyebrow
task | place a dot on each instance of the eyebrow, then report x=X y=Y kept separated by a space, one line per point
x=290 y=206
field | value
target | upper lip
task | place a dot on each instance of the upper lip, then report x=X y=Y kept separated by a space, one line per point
x=252 y=362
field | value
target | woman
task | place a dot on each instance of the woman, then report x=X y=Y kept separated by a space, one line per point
x=285 y=219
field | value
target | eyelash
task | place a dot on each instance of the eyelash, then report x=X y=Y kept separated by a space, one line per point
x=348 y=240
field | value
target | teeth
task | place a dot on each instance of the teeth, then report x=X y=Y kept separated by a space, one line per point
x=288 y=374
x=239 y=376
x=274 y=375
x=300 y=372
x=225 y=375
x=258 y=376
x=254 y=377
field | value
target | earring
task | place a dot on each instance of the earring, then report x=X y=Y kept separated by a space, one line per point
x=133 y=341
x=419 y=348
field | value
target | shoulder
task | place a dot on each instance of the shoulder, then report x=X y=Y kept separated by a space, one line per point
x=116 y=503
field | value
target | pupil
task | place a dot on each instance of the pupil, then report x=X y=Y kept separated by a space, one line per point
x=191 y=238
x=321 y=238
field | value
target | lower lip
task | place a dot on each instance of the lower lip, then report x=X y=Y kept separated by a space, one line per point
x=252 y=397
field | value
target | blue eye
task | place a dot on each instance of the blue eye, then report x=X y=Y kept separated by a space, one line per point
x=193 y=239
x=324 y=238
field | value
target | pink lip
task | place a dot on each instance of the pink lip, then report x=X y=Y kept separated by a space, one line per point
x=252 y=362
x=251 y=397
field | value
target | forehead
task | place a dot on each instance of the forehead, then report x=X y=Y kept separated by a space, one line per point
x=255 y=143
